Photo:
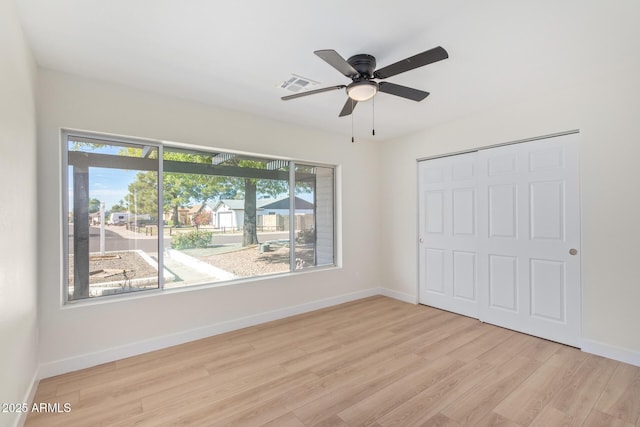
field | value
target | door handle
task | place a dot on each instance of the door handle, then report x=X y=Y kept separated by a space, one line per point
x=573 y=251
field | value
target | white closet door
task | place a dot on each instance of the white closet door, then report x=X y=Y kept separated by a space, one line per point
x=500 y=236
x=530 y=239
x=449 y=234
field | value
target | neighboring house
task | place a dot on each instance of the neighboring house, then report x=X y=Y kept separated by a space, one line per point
x=274 y=214
x=187 y=215
x=183 y=215
x=281 y=206
x=204 y=210
x=229 y=213
x=94 y=218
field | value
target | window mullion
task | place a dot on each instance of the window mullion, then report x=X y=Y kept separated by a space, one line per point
x=160 y=200
x=292 y=217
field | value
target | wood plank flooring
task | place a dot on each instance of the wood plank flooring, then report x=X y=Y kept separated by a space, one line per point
x=374 y=362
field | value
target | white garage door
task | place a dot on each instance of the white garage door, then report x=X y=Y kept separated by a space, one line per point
x=500 y=236
x=225 y=219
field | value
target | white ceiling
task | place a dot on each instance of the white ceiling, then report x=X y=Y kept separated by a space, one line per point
x=236 y=54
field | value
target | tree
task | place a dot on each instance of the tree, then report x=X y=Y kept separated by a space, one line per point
x=183 y=189
x=94 y=206
x=251 y=187
x=177 y=193
x=119 y=207
x=179 y=189
x=250 y=228
x=202 y=218
x=143 y=194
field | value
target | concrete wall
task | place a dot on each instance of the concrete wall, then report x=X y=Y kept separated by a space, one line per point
x=18 y=248
x=88 y=333
x=594 y=89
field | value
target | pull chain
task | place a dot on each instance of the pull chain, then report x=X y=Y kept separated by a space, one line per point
x=373 y=120
x=352 y=138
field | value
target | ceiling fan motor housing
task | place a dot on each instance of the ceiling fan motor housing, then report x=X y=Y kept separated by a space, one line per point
x=363 y=64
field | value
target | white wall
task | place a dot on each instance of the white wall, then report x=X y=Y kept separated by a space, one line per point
x=595 y=89
x=18 y=262
x=89 y=333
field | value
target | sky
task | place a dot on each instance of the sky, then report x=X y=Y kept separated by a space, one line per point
x=110 y=185
x=107 y=185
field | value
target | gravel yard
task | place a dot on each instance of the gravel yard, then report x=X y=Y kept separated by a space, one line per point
x=246 y=262
x=115 y=266
x=243 y=262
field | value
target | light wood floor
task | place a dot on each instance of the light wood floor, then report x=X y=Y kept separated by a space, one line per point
x=376 y=362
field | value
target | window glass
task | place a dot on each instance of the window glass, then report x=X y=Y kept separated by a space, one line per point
x=226 y=216
x=314 y=216
x=112 y=218
x=148 y=216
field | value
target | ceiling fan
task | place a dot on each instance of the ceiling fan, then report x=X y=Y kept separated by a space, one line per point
x=360 y=69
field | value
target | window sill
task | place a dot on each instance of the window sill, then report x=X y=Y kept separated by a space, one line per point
x=109 y=299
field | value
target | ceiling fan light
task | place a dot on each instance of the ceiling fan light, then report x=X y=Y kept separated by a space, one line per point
x=362 y=91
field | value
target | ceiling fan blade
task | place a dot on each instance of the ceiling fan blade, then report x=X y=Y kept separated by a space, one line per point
x=348 y=107
x=402 y=91
x=312 y=92
x=419 y=60
x=334 y=59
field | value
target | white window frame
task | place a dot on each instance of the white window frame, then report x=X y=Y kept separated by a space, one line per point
x=160 y=145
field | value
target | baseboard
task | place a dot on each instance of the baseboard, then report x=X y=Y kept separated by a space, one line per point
x=401 y=296
x=87 y=360
x=611 y=352
x=28 y=398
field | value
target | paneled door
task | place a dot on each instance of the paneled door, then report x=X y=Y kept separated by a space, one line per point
x=530 y=244
x=449 y=233
x=527 y=242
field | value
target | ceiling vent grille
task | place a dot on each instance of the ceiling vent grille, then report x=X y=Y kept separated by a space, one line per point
x=298 y=83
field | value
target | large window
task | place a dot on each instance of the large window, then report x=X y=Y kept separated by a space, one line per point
x=146 y=216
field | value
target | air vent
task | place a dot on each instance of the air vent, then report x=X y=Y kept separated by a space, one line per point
x=298 y=83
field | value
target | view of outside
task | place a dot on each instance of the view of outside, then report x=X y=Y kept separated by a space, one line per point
x=314 y=222
x=223 y=217
x=101 y=261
